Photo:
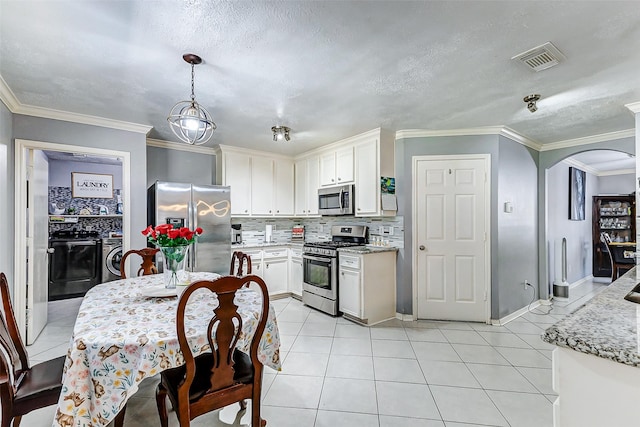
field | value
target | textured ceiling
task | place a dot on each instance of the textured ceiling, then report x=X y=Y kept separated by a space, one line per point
x=328 y=70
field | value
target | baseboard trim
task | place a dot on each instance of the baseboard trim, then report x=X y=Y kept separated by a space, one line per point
x=508 y=318
x=405 y=317
x=581 y=281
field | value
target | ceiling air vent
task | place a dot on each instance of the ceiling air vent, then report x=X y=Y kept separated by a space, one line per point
x=541 y=57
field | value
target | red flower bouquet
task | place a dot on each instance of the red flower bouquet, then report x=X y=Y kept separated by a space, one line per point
x=164 y=235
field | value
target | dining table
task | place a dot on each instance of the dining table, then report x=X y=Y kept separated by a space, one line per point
x=126 y=331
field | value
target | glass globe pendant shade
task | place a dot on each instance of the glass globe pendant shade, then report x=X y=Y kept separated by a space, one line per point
x=190 y=122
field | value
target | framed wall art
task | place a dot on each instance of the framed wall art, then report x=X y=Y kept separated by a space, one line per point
x=91 y=185
x=577 y=192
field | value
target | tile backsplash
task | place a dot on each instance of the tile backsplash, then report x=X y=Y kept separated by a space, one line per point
x=61 y=197
x=253 y=229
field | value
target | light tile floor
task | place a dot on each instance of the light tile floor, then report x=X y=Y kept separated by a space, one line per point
x=336 y=373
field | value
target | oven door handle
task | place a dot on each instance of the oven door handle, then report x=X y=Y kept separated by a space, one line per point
x=316 y=258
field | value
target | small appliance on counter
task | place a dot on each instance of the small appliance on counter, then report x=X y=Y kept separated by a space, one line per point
x=297 y=233
x=236 y=234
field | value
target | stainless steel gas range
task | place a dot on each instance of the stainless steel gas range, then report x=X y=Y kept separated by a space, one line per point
x=320 y=266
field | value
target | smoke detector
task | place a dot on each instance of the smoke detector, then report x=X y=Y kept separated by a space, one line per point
x=541 y=57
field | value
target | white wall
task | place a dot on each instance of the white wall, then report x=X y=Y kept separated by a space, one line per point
x=617 y=184
x=577 y=233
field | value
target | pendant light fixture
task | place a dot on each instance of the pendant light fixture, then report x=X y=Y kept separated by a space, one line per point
x=280 y=133
x=189 y=121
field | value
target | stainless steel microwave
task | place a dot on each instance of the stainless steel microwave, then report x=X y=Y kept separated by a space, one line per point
x=336 y=200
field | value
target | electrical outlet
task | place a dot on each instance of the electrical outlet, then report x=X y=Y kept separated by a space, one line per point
x=526 y=283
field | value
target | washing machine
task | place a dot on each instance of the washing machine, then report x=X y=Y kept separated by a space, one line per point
x=111 y=257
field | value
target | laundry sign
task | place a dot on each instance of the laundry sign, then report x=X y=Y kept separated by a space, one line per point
x=92 y=185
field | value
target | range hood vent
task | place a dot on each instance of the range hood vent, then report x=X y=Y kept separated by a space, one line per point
x=541 y=57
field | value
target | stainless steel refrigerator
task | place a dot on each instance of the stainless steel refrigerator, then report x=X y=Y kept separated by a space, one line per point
x=191 y=205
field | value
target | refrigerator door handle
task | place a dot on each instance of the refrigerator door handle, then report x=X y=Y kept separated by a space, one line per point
x=193 y=225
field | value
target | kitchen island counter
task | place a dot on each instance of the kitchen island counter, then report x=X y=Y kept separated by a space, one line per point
x=596 y=361
x=606 y=326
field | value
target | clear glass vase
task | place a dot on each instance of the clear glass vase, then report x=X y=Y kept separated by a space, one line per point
x=174 y=265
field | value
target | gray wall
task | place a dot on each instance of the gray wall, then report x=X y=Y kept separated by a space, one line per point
x=547 y=160
x=517 y=234
x=60 y=172
x=60 y=132
x=577 y=233
x=6 y=191
x=513 y=236
x=180 y=166
x=617 y=184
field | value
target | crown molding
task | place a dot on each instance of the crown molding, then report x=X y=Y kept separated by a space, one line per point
x=221 y=148
x=578 y=164
x=488 y=130
x=16 y=107
x=181 y=146
x=7 y=96
x=593 y=171
x=48 y=113
x=603 y=137
x=634 y=107
x=618 y=172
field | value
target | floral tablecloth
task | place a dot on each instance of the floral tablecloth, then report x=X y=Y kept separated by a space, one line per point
x=122 y=337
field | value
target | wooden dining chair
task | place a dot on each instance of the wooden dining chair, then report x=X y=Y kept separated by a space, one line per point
x=225 y=376
x=616 y=255
x=148 y=265
x=23 y=388
x=240 y=257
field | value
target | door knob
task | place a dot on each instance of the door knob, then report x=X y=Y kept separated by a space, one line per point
x=50 y=250
x=421 y=247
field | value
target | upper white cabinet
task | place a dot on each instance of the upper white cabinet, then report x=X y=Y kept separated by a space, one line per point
x=374 y=158
x=237 y=175
x=283 y=187
x=261 y=185
x=336 y=166
x=307 y=176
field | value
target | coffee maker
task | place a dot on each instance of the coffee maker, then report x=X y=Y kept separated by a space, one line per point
x=236 y=234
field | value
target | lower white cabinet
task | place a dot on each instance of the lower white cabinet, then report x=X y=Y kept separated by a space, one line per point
x=367 y=290
x=276 y=270
x=256 y=262
x=295 y=272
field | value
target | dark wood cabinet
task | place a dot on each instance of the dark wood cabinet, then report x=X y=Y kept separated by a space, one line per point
x=614 y=215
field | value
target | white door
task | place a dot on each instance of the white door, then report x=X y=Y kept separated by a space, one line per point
x=37 y=241
x=451 y=250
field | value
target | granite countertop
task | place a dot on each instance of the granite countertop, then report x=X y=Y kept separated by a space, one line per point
x=266 y=245
x=367 y=249
x=606 y=326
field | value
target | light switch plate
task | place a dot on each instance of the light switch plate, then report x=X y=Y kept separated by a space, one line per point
x=381 y=230
x=390 y=230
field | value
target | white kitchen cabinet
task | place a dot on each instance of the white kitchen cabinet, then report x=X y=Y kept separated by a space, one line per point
x=367 y=291
x=237 y=175
x=336 y=166
x=374 y=158
x=307 y=176
x=256 y=262
x=283 y=178
x=367 y=179
x=276 y=270
x=350 y=292
x=295 y=272
x=262 y=186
